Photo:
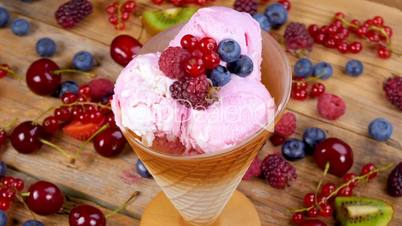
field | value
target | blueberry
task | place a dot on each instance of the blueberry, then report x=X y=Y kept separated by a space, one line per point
x=32 y=223
x=263 y=21
x=45 y=47
x=220 y=76
x=354 y=68
x=68 y=87
x=293 y=149
x=229 y=50
x=142 y=170
x=3 y=218
x=241 y=67
x=380 y=129
x=4 y=17
x=277 y=15
x=303 y=68
x=311 y=137
x=3 y=169
x=20 y=27
x=83 y=60
x=323 y=70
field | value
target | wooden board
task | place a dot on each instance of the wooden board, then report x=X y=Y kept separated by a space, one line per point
x=108 y=182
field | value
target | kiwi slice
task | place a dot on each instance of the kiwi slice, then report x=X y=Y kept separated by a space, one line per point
x=160 y=20
x=361 y=211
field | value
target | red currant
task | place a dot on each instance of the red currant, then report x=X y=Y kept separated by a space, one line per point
x=378 y=21
x=342 y=47
x=368 y=22
x=129 y=6
x=300 y=94
x=338 y=23
x=327 y=189
x=195 y=66
x=317 y=89
x=157 y=2
x=113 y=19
x=372 y=36
x=197 y=53
x=76 y=111
x=309 y=199
x=361 y=31
x=4 y=204
x=349 y=177
x=313 y=212
x=319 y=37
x=343 y=33
x=297 y=218
x=366 y=169
x=330 y=43
x=51 y=125
x=85 y=91
x=355 y=47
x=346 y=191
x=211 y=60
x=69 y=98
x=3 y=72
x=326 y=210
x=207 y=44
x=339 y=15
x=313 y=29
x=111 y=9
x=7 y=194
x=18 y=184
x=189 y=42
x=286 y=4
x=62 y=114
x=388 y=30
x=125 y=16
x=383 y=52
x=355 y=25
x=277 y=139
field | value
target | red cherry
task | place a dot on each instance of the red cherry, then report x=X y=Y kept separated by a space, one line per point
x=342 y=47
x=338 y=153
x=355 y=47
x=312 y=222
x=45 y=198
x=4 y=204
x=297 y=218
x=189 y=42
x=195 y=66
x=317 y=89
x=383 y=52
x=211 y=60
x=51 y=125
x=366 y=169
x=309 y=199
x=40 y=78
x=326 y=210
x=207 y=45
x=25 y=138
x=349 y=177
x=327 y=189
x=313 y=29
x=346 y=191
x=378 y=21
x=124 y=48
x=110 y=142
x=286 y=4
x=277 y=139
x=86 y=215
x=313 y=212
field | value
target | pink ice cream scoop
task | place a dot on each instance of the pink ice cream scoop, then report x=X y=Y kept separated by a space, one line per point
x=143 y=103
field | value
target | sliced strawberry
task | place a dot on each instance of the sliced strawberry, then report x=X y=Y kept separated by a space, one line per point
x=82 y=131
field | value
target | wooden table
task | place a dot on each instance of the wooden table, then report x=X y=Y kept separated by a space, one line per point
x=108 y=182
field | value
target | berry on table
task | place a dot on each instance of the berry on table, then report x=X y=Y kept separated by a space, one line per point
x=45 y=47
x=110 y=142
x=297 y=218
x=354 y=68
x=25 y=138
x=20 y=27
x=317 y=89
x=330 y=106
x=393 y=91
x=346 y=191
x=326 y=210
x=380 y=129
x=277 y=139
x=263 y=21
x=350 y=177
x=171 y=62
x=303 y=68
x=297 y=38
x=368 y=169
x=229 y=50
x=309 y=199
x=73 y=12
x=4 y=17
x=123 y=49
x=383 y=52
x=286 y=4
x=312 y=137
x=40 y=77
x=355 y=47
x=3 y=218
x=67 y=87
x=51 y=125
x=142 y=170
x=394 y=182
x=191 y=92
x=3 y=169
x=83 y=61
x=44 y=198
x=277 y=171
x=293 y=149
x=313 y=212
x=86 y=215
x=286 y=125
x=32 y=223
x=220 y=76
x=323 y=70
x=100 y=88
x=254 y=170
x=242 y=66
x=277 y=15
x=248 y=6
x=328 y=189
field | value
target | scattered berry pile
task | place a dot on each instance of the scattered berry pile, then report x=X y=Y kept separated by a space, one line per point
x=73 y=12
x=393 y=91
x=119 y=12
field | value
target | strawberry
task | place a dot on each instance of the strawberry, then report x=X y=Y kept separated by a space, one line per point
x=83 y=131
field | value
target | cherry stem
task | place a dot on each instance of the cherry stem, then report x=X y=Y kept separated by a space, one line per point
x=354 y=180
x=21 y=199
x=11 y=73
x=78 y=153
x=327 y=166
x=35 y=121
x=59 y=149
x=125 y=204
x=61 y=71
x=25 y=194
x=10 y=124
x=87 y=103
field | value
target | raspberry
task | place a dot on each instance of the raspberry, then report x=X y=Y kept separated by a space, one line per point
x=100 y=88
x=171 y=62
x=72 y=12
x=393 y=91
x=254 y=170
x=277 y=171
x=287 y=125
x=330 y=106
x=394 y=187
x=192 y=92
x=248 y=6
x=298 y=38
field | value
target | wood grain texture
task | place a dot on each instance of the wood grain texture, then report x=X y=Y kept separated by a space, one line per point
x=108 y=182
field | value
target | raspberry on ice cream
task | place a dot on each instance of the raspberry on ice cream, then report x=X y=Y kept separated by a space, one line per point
x=171 y=62
x=287 y=125
x=192 y=92
x=277 y=171
x=330 y=106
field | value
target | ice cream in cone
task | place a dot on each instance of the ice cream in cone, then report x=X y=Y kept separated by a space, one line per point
x=199 y=171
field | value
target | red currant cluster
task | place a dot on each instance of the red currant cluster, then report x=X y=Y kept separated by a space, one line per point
x=119 y=12
x=301 y=92
x=9 y=187
x=335 y=34
x=320 y=203
x=183 y=2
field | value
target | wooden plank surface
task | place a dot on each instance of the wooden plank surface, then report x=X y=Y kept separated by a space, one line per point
x=108 y=182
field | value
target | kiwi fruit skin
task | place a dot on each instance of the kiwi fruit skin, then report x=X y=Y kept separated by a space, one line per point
x=155 y=21
x=381 y=218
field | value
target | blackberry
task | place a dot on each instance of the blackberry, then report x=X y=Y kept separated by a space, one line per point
x=394 y=187
x=297 y=38
x=171 y=62
x=277 y=171
x=72 y=12
x=248 y=6
x=393 y=91
x=192 y=92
